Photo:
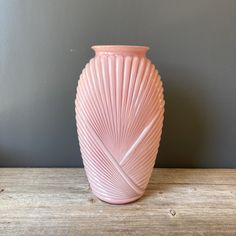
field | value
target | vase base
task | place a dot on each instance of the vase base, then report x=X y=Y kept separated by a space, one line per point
x=118 y=201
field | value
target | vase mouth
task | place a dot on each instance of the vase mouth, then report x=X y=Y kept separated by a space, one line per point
x=133 y=50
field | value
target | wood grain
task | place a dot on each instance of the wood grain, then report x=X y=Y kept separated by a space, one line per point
x=59 y=202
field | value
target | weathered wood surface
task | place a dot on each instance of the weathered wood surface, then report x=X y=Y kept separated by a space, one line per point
x=59 y=202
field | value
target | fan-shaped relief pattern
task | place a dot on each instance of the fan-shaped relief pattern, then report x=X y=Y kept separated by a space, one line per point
x=119 y=114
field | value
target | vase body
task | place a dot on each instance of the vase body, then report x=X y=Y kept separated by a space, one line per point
x=119 y=117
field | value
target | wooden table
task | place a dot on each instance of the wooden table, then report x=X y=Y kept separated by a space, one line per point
x=59 y=202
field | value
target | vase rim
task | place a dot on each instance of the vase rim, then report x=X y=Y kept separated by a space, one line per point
x=121 y=49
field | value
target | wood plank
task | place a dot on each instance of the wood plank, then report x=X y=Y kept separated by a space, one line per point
x=59 y=202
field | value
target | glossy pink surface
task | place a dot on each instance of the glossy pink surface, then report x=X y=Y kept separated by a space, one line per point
x=119 y=116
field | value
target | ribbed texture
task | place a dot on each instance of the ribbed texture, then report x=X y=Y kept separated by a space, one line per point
x=119 y=114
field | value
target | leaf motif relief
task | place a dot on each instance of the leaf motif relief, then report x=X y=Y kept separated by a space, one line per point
x=119 y=117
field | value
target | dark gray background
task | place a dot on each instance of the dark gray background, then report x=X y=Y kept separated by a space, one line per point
x=45 y=44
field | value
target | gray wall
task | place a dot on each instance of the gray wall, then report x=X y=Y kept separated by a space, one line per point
x=45 y=44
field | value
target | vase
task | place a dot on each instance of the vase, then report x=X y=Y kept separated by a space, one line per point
x=119 y=115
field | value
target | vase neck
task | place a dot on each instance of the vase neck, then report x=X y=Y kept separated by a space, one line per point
x=124 y=50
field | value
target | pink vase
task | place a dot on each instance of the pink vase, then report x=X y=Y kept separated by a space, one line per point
x=119 y=116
